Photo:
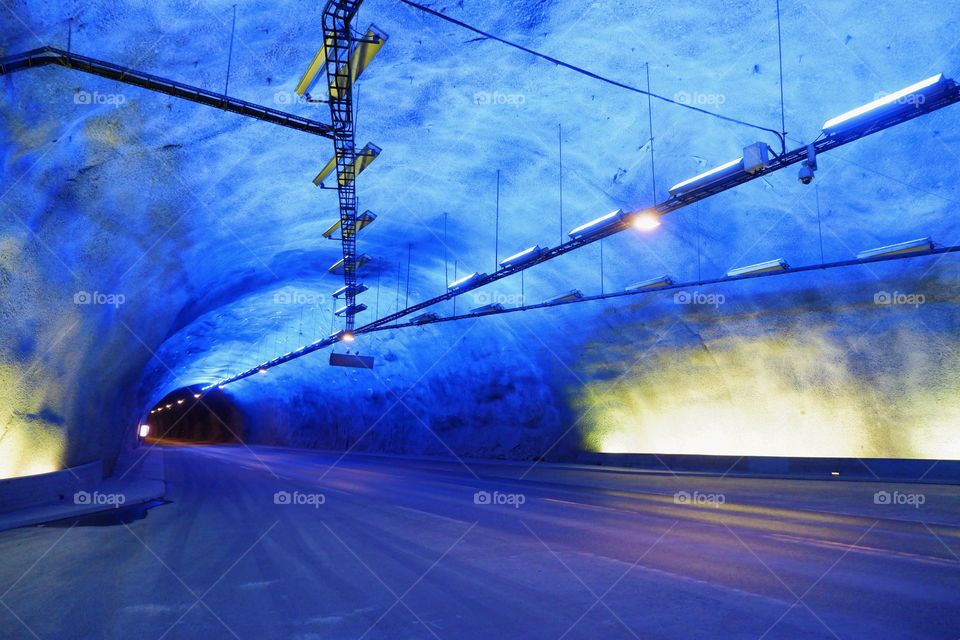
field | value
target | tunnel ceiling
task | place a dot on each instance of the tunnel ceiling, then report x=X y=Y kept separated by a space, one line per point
x=197 y=228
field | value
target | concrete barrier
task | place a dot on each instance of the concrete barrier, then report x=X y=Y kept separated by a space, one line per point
x=48 y=488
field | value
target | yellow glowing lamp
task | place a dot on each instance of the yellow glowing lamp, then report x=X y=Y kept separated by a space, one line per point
x=327 y=168
x=363 y=160
x=363 y=220
x=316 y=65
x=360 y=59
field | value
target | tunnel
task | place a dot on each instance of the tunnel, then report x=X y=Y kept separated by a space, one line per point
x=395 y=319
x=182 y=416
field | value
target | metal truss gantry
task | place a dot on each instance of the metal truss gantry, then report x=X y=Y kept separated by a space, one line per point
x=337 y=17
x=48 y=56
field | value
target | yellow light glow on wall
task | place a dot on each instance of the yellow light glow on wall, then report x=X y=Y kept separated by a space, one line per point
x=784 y=394
x=28 y=445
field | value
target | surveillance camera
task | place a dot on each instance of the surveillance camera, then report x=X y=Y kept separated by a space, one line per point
x=809 y=165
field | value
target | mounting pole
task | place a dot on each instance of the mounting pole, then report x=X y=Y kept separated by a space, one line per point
x=406 y=297
x=69 y=34
x=560 y=150
x=233 y=29
x=816 y=191
x=783 y=116
x=496 y=237
x=653 y=167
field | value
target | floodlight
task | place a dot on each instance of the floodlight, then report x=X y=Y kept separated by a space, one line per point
x=522 y=257
x=337 y=266
x=707 y=178
x=902 y=101
x=652 y=283
x=920 y=245
x=466 y=281
x=573 y=294
x=494 y=307
x=602 y=223
x=424 y=318
x=347 y=290
x=350 y=310
x=761 y=267
x=646 y=221
x=363 y=220
x=316 y=65
x=360 y=59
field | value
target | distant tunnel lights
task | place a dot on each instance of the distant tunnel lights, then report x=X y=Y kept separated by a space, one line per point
x=912 y=97
x=920 y=245
x=466 y=281
x=602 y=223
x=761 y=267
x=522 y=257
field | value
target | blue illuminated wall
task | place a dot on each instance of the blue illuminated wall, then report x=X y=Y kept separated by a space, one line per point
x=205 y=230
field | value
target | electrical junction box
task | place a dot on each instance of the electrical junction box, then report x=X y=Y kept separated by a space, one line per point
x=756 y=157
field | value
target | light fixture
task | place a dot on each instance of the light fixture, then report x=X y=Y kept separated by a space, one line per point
x=573 y=294
x=493 y=307
x=169 y=405
x=361 y=161
x=262 y=370
x=652 y=283
x=602 y=223
x=345 y=290
x=153 y=410
x=920 y=245
x=902 y=101
x=646 y=221
x=424 y=318
x=756 y=157
x=707 y=178
x=466 y=281
x=144 y=430
x=337 y=266
x=315 y=66
x=761 y=267
x=196 y=395
x=363 y=220
x=363 y=53
x=350 y=310
x=531 y=253
x=180 y=401
x=325 y=171
x=348 y=336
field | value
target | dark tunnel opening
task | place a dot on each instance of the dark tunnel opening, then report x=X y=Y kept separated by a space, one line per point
x=182 y=417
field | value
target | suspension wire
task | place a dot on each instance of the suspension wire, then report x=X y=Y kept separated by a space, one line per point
x=560 y=149
x=233 y=29
x=816 y=191
x=783 y=116
x=496 y=237
x=591 y=74
x=653 y=167
x=406 y=297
